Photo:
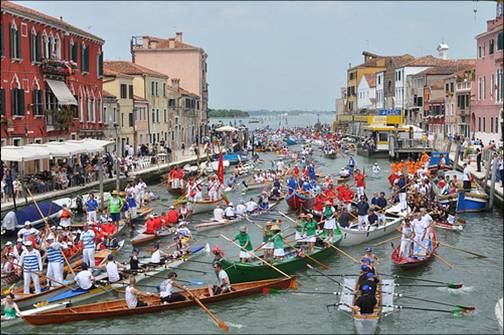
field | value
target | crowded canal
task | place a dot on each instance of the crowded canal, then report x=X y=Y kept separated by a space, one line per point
x=307 y=309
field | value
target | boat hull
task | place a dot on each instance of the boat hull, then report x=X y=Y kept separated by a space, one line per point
x=115 y=308
x=471 y=202
x=298 y=201
x=411 y=262
x=355 y=237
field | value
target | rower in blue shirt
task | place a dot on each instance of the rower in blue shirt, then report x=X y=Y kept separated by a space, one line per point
x=132 y=206
x=91 y=206
x=292 y=183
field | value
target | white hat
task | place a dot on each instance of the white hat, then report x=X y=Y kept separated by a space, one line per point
x=27 y=223
x=50 y=237
x=28 y=243
x=11 y=254
x=59 y=228
x=8 y=243
x=19 y=240
x=110 y=220
x=54 y=227
x=230 y=204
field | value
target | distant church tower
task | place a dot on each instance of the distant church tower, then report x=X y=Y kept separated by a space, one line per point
x=443 y=50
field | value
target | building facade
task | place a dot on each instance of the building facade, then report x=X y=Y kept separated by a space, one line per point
x=141 y=126
x=51 y=71
x=110 y=118
x=487 y=91
x=458 y=102
x=179 y=60
x=366 y=93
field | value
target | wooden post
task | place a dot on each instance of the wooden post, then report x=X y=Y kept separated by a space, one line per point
x=487 y=169
x=457 y=154
x=391 y=146
x=492 y=182
x=448 y=147
x=100 y=178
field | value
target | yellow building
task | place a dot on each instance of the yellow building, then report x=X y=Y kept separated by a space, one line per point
x=372 y=64
x=121 y=86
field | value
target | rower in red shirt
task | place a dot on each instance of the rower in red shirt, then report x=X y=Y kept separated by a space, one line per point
x=96 y=230
x=150 y=225
x=171 y=216
x=318 y=206
x=108 y=228
x=157 y=222
x=360 y=182
x=295 y=172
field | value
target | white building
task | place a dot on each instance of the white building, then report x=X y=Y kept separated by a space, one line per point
x=366 y=92
x=380 y=99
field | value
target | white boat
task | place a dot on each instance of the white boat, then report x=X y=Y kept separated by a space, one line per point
x=354 y=236
x=498 y=313
x=51 y=307
x=202 y=206
x=397 y=211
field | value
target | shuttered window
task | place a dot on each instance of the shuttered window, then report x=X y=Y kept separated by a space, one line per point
x=73 y=51
x=84 y=59
x=37 y=102
x=130 y=88
x=15 y=43
x=100 y=65
x=124 y=88
x=2 y=101
x=17 y=102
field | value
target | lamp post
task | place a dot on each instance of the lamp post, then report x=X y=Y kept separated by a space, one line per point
x=118 y=182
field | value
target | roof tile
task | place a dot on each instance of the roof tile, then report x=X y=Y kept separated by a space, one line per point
x=126 y=67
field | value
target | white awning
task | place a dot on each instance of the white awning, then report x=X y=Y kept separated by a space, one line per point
x=22 y=154
x=64 y=147
x=62 y=92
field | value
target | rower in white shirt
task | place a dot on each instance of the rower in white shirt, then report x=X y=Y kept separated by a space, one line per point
x=156 y=255
x=112 y=268
x=84 y=278
x=241 y=208
x=251 y=206
x=218 y=213
x=229 y=213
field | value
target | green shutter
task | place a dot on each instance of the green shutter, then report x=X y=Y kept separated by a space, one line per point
x=2 y=101
x=86 y=56
x=34 y=102
x=100 y=65
x=38 y=43
x=21 y=101
x=82 y=59
x=18 y=44
x=32 y=46
x=11 y=44
x=75 y=52
x=13 y=101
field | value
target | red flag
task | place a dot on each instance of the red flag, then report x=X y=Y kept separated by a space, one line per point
x=220 y=168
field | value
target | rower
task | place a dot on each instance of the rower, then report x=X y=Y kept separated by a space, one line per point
x=268 y=245
x=278 y=245
x=172 y=216
x=156 y=255
x=370 y=281
x=26 y=231
x=88 y=240
x=131 y=294
x=31 y=263
x=9 y=267
x=419 y=249
x=55 y=261
x=366 y=302
x=91 y=206
x=371 y=255
x=263 y=202
x=184 y=212
x=241 y=209
x=251 y=206
x=309 y=231
x=115 y=204
x=150 y=225
x=224 y=285
x=427 y=224
x=360 y=182
x=363 y=208
x=381 y=204
x=65 y=217
x=365 y=269
x=299 y=227
x=112 y=268
x=132 y=206
x=11 y=309
x=401 y=183
x=329 y=220
x=134 y=263
x=405 y=250
x=166 y=289
x=85 y=279
x=218 y=213
x=344 y=218
x=229 y=213
x=372 y=219
x=245 y=244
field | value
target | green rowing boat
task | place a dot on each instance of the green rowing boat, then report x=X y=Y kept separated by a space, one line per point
x=243 y=272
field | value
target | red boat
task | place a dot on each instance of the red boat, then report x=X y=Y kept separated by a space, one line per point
x=413 y=262
x=298 y=201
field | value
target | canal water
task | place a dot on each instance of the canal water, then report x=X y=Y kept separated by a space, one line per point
x=291 y=312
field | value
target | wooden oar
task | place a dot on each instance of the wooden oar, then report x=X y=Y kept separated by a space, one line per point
x=451 y=266
x=45 y=276
x=386 y=241
x=459 y=249
x=330 y=244
x=328 y=277
x=449 y=285
x=47 y=227
x=259 y=258
x=218 y=322
x=297 y=249
x=470 y=308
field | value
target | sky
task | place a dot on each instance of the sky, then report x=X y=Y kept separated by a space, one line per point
x=289 y=55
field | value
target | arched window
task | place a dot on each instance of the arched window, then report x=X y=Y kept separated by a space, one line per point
x=99 y=108
x=17 y=97
x=84 y=58
x=45 y=45
x=51 y=53
x=36 y=98
x=57 y=46
x=15 y=41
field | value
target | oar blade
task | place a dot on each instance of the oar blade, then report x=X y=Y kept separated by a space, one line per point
x=455 y=285
x=223 y=326
x=309 y=266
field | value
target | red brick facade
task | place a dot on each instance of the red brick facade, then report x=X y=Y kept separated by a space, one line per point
x=29 y=108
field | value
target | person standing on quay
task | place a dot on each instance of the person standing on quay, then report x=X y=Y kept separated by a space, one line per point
x=478 y=159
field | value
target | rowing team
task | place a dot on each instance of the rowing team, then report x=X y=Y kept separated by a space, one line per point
x=245 y=208
x=195 y=189
x=367 y=282
x=156 y=222
x=415 y=238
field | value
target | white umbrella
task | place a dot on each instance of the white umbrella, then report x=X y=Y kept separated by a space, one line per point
x=226 y=129
x=22 y=154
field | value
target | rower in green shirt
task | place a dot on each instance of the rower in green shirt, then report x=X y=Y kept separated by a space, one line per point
x=310 y=231
x=115 y=204
x=299 y=227
x=278 y=244
x=245 y=242
x=329 y=220
x=267 y=240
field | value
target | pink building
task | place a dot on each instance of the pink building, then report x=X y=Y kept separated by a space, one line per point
x=487 y=91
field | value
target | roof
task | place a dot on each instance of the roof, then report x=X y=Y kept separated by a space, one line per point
x=397 y=60
x=371 y=80
x=434 y=61
x=450 y=69
x=165 y=43
x=126 y=67
x=186 y=92
x=31 y=13
x=138 y=98
x=107 y=94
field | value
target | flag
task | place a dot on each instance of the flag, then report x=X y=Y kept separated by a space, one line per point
x=220 y=168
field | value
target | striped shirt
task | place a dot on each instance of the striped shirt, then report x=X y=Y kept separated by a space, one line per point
x=87 y=238
x=31 y=260
x=54 y=254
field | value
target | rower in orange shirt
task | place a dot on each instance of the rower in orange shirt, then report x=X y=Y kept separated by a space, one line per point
x=411 y=168
x=400 y=166
x=393 y=168
x=425 y=158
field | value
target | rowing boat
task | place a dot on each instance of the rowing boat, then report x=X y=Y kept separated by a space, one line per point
x=367 y=323
x=201 y=206
x=355 y=236
x=143 y=238
x=175 y=191
x=413 y=262
x=331 y=155
x=299 y=201
x=448 y=226
x=52 y=307
x=114 y=308
x=24 y=301
x=242 y=272
x=225 y=222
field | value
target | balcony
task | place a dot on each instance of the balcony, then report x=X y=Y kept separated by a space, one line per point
x=58 y=68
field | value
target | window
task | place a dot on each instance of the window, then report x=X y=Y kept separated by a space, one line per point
x=122 y=119
x=492 y=85
x=91 y=110
x=37 y=102
x=130 y=119
x=157 y=115
x=172 y=103
x=484 y=124
x=99 y=65
x=84 y=59
x=17 y=141
x=130 y=89
x=480 y=54
x=480 y=88
x=15 y=42
x=496 y=125
x=57 y=47
x=124 y=88
x=114 y=115
x=157 y=92
x=2 y=101
x=452 y=89
x=379 y=80
x=165 y=116
x=105 y=115
x=34 y=47
x=100 y=111
x=17 y=102
x=491 y=47
x=484 y=87
x=447 y=87
x=81 y=109
x=491 y=124
x=500 y=41
x=483 y=49
x=164 y=89
x=73 y=51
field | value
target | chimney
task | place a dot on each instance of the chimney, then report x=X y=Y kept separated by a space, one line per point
x=178 y=36
x=171 y=43
x=175 y=84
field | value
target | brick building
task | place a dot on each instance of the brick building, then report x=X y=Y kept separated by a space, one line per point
x=51 y=73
